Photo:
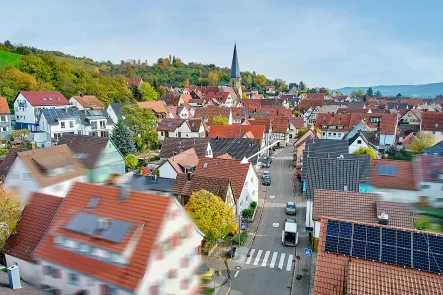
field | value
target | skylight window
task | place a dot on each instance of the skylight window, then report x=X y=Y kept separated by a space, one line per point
x=93 y=202
x=205 y=165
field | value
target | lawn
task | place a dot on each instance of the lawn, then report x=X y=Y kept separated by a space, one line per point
x=8 y=58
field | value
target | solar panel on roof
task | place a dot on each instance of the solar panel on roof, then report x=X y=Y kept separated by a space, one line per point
x=423 y=251
x=117 y=231
x=83 y=223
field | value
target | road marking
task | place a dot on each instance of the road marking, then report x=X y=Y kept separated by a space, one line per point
x=274 y=257
x=288 y=268
x=282 y=259
x=250 y=256
x=265 y=259
x=258 y=257
x=236 y=274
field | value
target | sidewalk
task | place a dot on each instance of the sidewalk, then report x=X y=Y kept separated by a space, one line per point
x=221 y=284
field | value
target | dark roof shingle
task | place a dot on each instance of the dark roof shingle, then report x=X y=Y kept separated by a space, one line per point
x=173 y=146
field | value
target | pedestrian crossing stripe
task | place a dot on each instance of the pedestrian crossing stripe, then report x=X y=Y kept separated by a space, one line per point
x=259 y=259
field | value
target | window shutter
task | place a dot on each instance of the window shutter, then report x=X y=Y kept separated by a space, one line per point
x=158 y=252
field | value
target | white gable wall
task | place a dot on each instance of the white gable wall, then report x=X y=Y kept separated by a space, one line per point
x=75 y=103
x=167 y=171
x=20 y=181
x=358 y=143
x=29 y=272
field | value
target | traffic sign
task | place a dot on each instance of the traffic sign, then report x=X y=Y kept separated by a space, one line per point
x=298 y=257
x=308 y=252
x=243 y=225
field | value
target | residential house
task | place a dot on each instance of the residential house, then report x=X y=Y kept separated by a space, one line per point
x=99 y=156
x=405 y=142
x=364 y=139
x=263 y=121
x=307 y=106
x=91 y=247
x=394 y=180
x=87 y=102
x=300 y=144
x=411 y=117
x=29 y=104
x=244 y=179
x=362 y=207
x=137 y=82
x=113 y=111
x=96 y=123
x=295 y=124
x=334 y=126
x=186 y=184
x=157 y=107
x=310 y=116
x=430 y=178
x=280 y=130
x=51 y=171
x=366 y=258
x=8 y=160
x=270 y=89
x=174 y=146
x=313 y=96
x=184 y=98
x=33 y=225
x=436 y=149
x=237 y=148
x=196 y=102
x=236 y=97
x=5 y=119
x=342 y=98
x=179 y=164
x=222 y=99
x=180 y=128
x=150 y=184
x=432 y=123
x=238 y=131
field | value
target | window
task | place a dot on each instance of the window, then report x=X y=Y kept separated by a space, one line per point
x=103 y=124
x=161 y=133
x=84 y=248
x=335 y=134
x=359 y=141
x=71 y=124
x=184 y=284
x=3 y=118
x=425 y=186
x=62 y=124
x=375 y=119
x=386 y=170
x=340 y=127
x=73 y=278
x=172 y=273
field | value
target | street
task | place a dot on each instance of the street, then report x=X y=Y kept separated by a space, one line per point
x=270 y=267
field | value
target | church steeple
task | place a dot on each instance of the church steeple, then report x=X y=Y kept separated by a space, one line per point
x=235 y=78
x=235 y=69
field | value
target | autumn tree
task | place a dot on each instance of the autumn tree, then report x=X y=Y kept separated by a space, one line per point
x=213 y=79
x=220 y=120
x=261 y=80
x=212 y=216
x=131 y=161
x=21 y=134
x=123 y=139
x=366 y=151
x=10 y=211
x=420 y=142
x=142 y=123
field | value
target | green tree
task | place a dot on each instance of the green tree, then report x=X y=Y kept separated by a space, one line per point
x=302 y=131
x=261 y=80
x=296 y=113
x=123 y=139
x=212 y=216
x=213 y=79
x=357 y=95
x=10 y=211
x=131 y=161
x=420 y=142
x=302 y=86
x=369 y=92
x=220 y=120
x=377 y=93
x=398 y=95
x=366 y=151
x=35 y=65
x=248 y=80
x=147 y=92
x=21 y=134
x=142 y=123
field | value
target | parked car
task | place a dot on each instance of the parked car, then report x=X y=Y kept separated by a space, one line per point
x=265 y=174
x=299 y=172
x=266 y=181
x=290 y=208
x=206 y=273
x=268 y=159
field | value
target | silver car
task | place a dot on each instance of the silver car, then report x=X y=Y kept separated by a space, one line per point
x=290 y=208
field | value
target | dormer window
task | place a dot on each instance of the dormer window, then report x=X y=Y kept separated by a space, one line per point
x=340 y=127
x=436 y=125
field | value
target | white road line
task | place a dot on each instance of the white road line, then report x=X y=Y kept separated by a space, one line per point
x=288 y=267
x=282 y=259
x=236 y=273
x=250 y=256
x=274 y=257
x=265 y=259
x=258 y=257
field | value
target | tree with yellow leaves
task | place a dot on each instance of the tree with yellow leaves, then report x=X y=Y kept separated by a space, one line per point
x=10 y=211
x=422 y=141
x=212 y=216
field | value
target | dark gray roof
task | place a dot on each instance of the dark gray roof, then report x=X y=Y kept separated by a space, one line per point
x=175 y=145
x=435 y=149
x=372 y=138
x=151 y=184
x=87 y=115
x=405 y=129
x=326 y=146
x=331 y=174
x=237 y=148
x=235 y=69
x=117 y=107
x=9 y=160
x=252 y=115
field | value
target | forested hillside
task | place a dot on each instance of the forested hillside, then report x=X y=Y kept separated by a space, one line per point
x=29 y=68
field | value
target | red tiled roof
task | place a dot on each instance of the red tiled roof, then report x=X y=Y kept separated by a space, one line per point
x=305 y=104
x=45 y=98
x=4 y=108
x=186 y=98
x=217 y=185
x=205 y=90
x=236 y=131
x=34 y=222
x=218 y=96
x=145 y=171
x=266 y=121
x=315 y=96
x=270 y=87
x=388 y=122
x=232 y=169
x=225 y=156
x=251 y=102
x=156 y=105
x=188 y=159
x=280 y=125
x=408 y=140
x=403 y=180
x=432 y=121
x=137 y=81
x=340 y=97
x=297 y=122
x=326 y=119
x=89 y=101
x=138 y=207
x=335 y=274
x=429 y=167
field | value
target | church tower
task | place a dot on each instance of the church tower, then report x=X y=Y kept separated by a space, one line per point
x=235 y=78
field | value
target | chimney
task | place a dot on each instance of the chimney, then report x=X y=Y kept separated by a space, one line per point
x=189 y=176
x=383 y=218
x=14 y=277
x=124 y=192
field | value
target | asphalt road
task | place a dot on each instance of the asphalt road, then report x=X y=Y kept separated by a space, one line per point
x=270 y=267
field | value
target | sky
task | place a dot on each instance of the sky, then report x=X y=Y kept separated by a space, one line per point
x=325 y=43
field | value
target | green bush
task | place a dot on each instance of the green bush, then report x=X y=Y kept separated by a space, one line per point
x=248 y=213
x=243 y=236
x=153 y=159
x=253 y=205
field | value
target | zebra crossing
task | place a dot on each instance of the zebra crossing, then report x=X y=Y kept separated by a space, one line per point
x=285 y=261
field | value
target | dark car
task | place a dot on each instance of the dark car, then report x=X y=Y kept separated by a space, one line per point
x=265 y=164
x=268 y=159
x=266 y=181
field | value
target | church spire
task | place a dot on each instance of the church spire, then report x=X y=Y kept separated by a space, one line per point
x=235 y=69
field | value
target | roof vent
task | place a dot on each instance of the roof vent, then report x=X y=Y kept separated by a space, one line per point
x=124 y=192
x=436 y=125
x=383 y=218
x=341 y=157
x=205 y=165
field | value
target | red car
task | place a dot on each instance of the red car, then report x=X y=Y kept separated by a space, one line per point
x=299 y=173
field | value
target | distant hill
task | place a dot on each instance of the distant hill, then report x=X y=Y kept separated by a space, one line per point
x=9 y=58
x=423 y=91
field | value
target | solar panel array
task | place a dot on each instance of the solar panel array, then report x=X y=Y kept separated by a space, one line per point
x=419 y=250
x=61 y=113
